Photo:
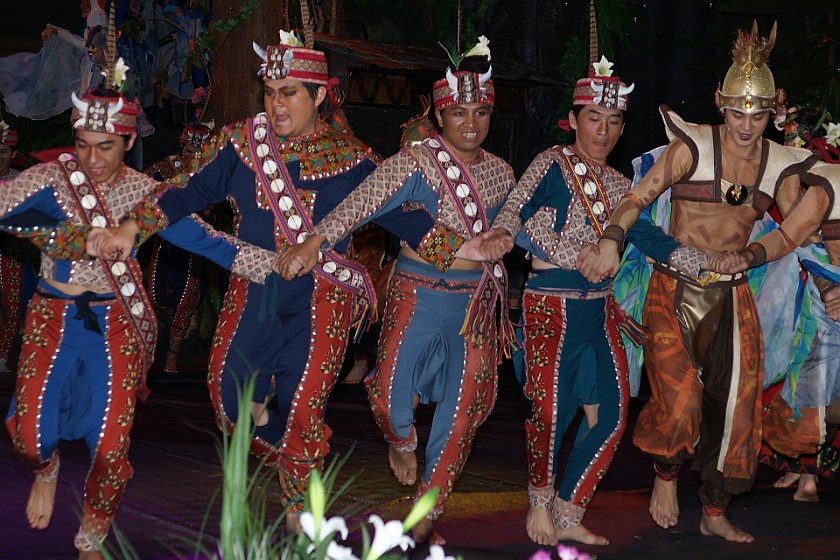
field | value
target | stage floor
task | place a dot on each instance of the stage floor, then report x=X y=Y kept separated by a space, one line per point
x=177 y=475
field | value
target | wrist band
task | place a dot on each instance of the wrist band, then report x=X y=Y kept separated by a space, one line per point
x=756 y=254
x=614 y=233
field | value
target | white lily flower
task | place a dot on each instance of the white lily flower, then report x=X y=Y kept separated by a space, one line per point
x=832 y=133
x=482 y=48
x=290 y=38
x=120 y=71
x=337 y=552
x=603 y=67
x=387 y=536
x=328 y=527
x=436 y=552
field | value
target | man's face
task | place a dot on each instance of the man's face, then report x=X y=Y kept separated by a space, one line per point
x=6 y=155
x=464 y=127
x=290 y=108
x=745 y=129
x=101 y=154
x=188 y=151
x=597 y=130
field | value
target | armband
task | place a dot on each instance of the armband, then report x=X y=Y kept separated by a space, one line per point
x=614 y=233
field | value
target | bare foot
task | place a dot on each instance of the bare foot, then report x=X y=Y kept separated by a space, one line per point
x=39 y=508
x=357 y=372
x=404 y=465
x=89 y=555
x=787 y=480
x=293 y=526
x=582 y=535
x=540 y=528
x=807 y=491
x=720 y=526
x=424 y=532
x=664 y=507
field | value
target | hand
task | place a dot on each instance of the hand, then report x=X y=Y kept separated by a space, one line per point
x=832 y=303
x=298 y=259
x=598 y=262
x=47 y=32
x=488 y=246
x=727 y=262
x=112 y=243
x=96 y=238
x=496 y=243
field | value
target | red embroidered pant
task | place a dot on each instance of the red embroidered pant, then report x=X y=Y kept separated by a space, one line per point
x=295 y=353
x=11 y=287
x=422 y=355
x=573 y=356
x=73 y=384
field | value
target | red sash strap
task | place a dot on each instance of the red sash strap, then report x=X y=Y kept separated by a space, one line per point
x=125 y=277
x=492 y=287
x=587 y=187
x=276 y=183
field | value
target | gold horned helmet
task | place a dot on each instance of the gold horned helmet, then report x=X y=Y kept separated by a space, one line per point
x=749 y=86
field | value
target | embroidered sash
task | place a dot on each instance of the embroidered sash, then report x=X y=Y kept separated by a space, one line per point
x=492 y=286
x=588 y=189
x=276 y=183
x=124 y=277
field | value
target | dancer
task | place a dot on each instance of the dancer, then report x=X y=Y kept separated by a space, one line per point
x=574 y=355
x=283 y=170
x=438 y=342
x=173 y=277
x=90 y=332
x=704 y=352
x=12 y=267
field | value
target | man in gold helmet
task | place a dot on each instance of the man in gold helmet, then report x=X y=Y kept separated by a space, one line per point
x=704 y=351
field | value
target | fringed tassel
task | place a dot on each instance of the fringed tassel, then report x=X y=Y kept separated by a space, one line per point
x=481 y=311
x=629 y=327
x=364 y=315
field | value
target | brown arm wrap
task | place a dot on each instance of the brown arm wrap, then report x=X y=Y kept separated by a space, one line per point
x=755 y=254
x=614 y=233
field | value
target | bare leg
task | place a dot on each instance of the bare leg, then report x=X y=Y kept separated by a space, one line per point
x=807 y=491
x=41 y=502
x=591 y=413
x=293 y=526
x=404 y=465
x=664 y=507
x=787 y=480
x=720 y=526
x=424 y=532
x=171 y=363
x=539 y=526
x=259 y=414
x=581 y=534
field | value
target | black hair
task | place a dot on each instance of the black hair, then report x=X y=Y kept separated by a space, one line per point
x=576 y=109
x=312 y=88
x=478 y=64
x=103 y=92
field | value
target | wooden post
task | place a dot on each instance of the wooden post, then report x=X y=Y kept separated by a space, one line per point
x=237 y=91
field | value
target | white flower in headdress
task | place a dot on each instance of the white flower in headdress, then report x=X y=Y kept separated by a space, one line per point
x=120 y=71
x=290 y=39
x=832 y=133
x=603 y=67
x=482 y=48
